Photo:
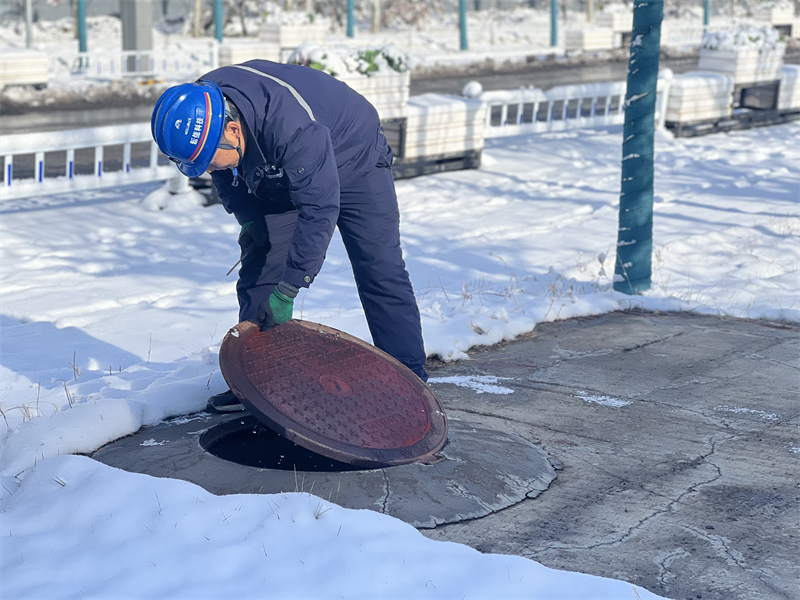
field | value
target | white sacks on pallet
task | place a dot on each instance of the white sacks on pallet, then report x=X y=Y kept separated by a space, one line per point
x=698 y=96
x=440 y=124
x=291 y=36
x=22 y=67
x=617 y=21
x=775 y=15
x=789 y=94
x=239 y=51
x=387 y=91
x=745 y=65
x=589 y=38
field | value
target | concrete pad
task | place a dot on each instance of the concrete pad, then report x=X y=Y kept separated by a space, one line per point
x=678 y=435
x=483 y=471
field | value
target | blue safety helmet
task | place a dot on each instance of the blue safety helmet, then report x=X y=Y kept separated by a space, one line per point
x=187 y=125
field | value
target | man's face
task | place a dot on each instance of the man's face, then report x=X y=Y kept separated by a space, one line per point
x=228 y=159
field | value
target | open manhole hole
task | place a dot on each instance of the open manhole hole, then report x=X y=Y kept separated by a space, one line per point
x=247 y=441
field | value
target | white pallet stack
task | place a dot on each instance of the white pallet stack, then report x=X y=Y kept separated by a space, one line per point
x=775 y=15
x=789 y=94
x=387 y=92
x=589 y=38
x=22 y=67
x=746 y=65
x=438 y=124
x=239 y=51
x=291 y=36
x=619 y=22
x=698 y=96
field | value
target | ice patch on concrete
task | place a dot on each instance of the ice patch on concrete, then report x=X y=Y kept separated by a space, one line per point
x=604 y=400
x=482 y=384
x=747 y=411
x=152 y=442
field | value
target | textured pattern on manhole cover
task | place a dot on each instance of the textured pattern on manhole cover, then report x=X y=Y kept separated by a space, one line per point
x=342 y=390
x=333 y=393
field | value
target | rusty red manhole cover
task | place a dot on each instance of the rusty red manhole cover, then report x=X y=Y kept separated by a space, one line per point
x=333 y=393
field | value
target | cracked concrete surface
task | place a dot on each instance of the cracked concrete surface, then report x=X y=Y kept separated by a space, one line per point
x=691 y=490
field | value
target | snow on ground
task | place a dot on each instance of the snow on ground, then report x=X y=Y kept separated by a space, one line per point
x=112 y=314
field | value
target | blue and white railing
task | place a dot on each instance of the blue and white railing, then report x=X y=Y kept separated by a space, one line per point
x=97 y=139
x=514 y=112
x=518 y=112
x=187 y=61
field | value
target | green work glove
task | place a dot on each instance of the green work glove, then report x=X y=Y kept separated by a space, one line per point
x=277 y=309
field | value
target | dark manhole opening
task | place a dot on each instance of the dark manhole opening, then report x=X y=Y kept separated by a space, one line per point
x=247 y=441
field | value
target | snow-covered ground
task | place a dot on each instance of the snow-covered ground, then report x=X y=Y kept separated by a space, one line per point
x=112 y=314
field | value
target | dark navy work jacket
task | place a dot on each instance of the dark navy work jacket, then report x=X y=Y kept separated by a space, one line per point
x=308 y=136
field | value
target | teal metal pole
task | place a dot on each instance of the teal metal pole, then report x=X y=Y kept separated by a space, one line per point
x=462 y=23
x=633 y=268
x=351 y=7
x=82 y=45
x=218 y=20
x=706 y=13
x=554 y=22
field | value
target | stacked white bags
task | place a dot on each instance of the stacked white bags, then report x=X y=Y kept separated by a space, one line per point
x=22 y=67
x=775 y=14
x=789 y=95
x=617 y=20
x=589 y=38
x=291 y=36
x=698 y=96
x=748 y=54
x=439 y=124
x=387 y=91
x=234 y=52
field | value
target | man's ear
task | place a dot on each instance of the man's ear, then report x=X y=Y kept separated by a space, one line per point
x=233 y=129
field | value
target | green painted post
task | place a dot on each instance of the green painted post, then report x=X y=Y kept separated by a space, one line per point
x=635 y=236
x=82 y=45
x=351 y=18
x=218 y=20
x=554 y=22
x=706 y=13
x=462 y=23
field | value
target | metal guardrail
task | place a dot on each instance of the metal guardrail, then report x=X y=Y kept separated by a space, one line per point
x=68 y=142
x=187 y=61
x=526 y=111
x=508 y=113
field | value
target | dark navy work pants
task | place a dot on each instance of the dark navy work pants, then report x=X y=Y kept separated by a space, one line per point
x=369 y=223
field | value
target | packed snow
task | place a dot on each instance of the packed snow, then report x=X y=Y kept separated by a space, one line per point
x=113 y=312
x=743 y=36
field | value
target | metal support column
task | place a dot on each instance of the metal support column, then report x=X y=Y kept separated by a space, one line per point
x=554 y=22
x=218 y=20
x=351 y=7
x=137 y=33
x=29 y=23
x=82 y=45
x=633 y=268
x=462 y=23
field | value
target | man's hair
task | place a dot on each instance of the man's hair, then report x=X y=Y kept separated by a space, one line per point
x=231 y=112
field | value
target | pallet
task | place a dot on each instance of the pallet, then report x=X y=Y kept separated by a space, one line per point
x=743 y=120
x=426 y=165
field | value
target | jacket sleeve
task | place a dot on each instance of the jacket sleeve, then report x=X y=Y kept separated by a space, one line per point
x=310 y=166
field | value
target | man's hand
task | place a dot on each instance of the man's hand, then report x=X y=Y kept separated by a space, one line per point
x=277 y=309
x=253 y=236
